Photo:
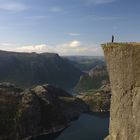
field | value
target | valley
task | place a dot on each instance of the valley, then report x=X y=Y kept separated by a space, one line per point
x=33 y=87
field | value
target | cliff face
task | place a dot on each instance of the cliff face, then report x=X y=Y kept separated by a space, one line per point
x=42 y=109
x=123 y=63
x=9 y=104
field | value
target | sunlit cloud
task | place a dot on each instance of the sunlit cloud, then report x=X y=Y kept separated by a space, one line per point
x=78 y=48
x=74 y=44
x=8 y=44
x=33 y=48
x=74 y=47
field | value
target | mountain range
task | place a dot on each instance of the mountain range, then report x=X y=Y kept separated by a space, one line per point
x=27 y=69
x=85 y=63
x=93 y=79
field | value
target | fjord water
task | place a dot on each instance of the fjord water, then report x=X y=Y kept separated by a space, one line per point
x=87 y=127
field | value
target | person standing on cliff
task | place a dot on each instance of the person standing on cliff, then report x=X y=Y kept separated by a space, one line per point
x=112 y=38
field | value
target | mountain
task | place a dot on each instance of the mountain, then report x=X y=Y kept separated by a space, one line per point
x=94 y=79
x=97 y=100
x=94 y=89
x=43 y=109
x=26 y=69
x=85 y=63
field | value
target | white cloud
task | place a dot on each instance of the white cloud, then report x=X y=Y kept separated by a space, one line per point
x=74 y=47
x=71 y=44
x=78 y=48
x=19 y=48
x=74 y=44
x=7 y=44
x=32 y=48
x=12 y=6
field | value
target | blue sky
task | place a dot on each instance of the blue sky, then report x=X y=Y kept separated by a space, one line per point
x=67 y=27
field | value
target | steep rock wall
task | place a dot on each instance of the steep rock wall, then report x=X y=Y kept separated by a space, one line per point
x=123 y=63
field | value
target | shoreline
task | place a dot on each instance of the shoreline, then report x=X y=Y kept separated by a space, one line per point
x=58 y=131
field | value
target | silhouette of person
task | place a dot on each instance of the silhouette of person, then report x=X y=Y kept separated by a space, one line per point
x=112 y=38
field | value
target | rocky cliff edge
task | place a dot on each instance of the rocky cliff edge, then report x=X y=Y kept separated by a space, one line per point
x=123 y=63
x=42 y=109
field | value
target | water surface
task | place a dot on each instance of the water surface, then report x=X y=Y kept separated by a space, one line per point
x=87 y=127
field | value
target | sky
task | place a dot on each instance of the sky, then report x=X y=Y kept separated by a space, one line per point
x=67 y=27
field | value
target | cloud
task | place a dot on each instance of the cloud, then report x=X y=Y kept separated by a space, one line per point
x=74 y=44
x=74 y=47
x=73 y=34
x=27 y=48
x=99 y=1
x=12 y=6
x=78 y=48
x=7 y=44
x=32 y=48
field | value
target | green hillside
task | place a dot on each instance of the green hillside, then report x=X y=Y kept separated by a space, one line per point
x=94 y=79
